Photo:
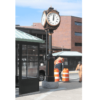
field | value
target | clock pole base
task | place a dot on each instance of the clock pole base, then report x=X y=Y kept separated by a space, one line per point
x=50 y=79
x=50 y=85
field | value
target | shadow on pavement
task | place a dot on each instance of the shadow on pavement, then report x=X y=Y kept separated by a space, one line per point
x=72 y=84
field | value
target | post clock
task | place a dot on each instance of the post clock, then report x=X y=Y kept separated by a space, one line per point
x=50 y=21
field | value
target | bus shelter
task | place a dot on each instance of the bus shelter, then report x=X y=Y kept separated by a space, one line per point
x=71 y=58
x=27 y=62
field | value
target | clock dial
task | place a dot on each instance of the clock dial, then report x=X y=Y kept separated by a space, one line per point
x=43 y=21
x=53 y=19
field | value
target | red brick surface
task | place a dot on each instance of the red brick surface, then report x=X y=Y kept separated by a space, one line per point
x=37 y=26
x=62 y=36
x=65 y=33
x=84 y=39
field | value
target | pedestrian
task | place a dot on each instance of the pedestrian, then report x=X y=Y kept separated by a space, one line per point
x=58 y=64
x=79 y=68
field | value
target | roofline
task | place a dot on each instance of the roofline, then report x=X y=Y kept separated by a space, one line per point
x=28 y=40
x=37 y=40
x=28 y=27
x=70 y=16
x=80 y=56
x=8 y=25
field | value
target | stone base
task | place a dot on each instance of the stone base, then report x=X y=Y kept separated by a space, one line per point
x=50 y=85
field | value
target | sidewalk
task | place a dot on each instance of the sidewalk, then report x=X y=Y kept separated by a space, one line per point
x=71 y=90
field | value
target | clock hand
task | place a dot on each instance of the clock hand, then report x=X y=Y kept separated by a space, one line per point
x=53 y=17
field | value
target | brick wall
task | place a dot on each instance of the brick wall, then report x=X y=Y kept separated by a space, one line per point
x=65 y=33
x=85 y=39
x=62 y=36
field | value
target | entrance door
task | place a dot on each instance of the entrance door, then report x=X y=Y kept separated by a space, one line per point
x=29 y=69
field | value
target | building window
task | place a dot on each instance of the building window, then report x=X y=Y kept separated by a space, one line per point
x=44 y=37
x=39 y=36
x=87 y=44
x=87 y=24
x=87 y=34
x=66 y=61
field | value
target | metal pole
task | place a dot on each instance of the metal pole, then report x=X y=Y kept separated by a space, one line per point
x=46 y=51
x=50 y=61
x=50 y=44
x=27 y=61
x=46 y=43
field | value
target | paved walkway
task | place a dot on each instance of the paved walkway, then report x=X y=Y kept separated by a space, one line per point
x=67 y=91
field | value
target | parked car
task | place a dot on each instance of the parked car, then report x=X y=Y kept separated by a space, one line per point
x=42 y=71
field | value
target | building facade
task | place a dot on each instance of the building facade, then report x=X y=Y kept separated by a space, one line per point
x=68 y=35
x=40 y=33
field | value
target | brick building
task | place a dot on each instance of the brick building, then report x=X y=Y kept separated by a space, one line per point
x=68 y=35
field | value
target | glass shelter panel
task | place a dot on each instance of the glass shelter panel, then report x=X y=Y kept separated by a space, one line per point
x=30 y=61
x=24 y=70
x=17 y=65
x=17 y=51
x=32 y=69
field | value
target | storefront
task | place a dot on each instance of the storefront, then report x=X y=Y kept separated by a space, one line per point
x=27 y=62
x=71 y=58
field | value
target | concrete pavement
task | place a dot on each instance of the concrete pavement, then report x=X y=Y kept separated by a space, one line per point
x=71 y=90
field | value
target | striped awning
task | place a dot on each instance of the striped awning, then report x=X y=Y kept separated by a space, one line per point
x=22 y=36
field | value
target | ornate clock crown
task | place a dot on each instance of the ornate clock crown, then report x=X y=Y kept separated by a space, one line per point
x=50 y=8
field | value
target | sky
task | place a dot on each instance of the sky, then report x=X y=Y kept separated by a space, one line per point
x=28 y=12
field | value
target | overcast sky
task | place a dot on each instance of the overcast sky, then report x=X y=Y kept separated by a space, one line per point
x=30 y=11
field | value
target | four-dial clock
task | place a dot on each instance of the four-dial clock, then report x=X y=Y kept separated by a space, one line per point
x=53 y=19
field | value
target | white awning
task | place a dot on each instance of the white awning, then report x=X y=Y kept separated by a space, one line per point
x=75 y=53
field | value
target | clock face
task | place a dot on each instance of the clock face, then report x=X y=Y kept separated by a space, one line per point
x=43 y=21
x=53 y=19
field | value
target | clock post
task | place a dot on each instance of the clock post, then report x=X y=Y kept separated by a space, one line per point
x=50 y=21
x=50 y=61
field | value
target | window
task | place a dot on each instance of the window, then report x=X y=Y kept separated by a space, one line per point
x=39 y=36
x=78 y=44
x=66 y=61
x=44 y=37
x=87 y=24
x=87 y=34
